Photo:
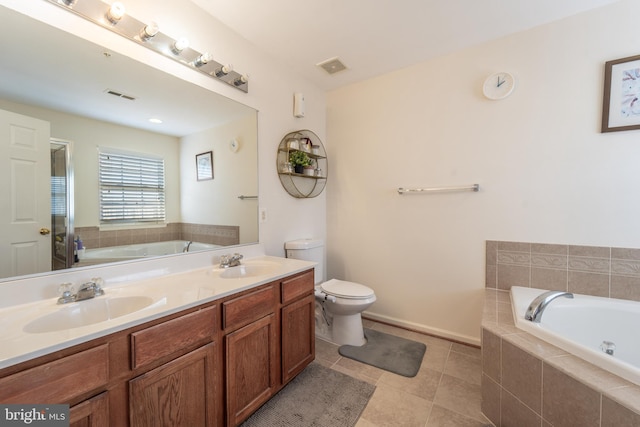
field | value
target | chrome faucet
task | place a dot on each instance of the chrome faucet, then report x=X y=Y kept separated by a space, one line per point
x=538 y=305
x=91 y=289
x=227 y=261
x=186 y=248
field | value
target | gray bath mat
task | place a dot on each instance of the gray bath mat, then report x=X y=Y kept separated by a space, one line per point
x=318 y=397
x=398 y=355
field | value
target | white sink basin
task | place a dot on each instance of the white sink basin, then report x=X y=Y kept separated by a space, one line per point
x=249 y=270
x=88 y=312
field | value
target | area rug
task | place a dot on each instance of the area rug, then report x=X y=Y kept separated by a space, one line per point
x=318 y=397
x=398 y=355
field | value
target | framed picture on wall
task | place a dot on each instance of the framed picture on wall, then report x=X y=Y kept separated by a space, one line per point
x=621 y=106
x=204 y=166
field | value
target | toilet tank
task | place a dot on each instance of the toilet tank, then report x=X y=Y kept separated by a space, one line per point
x=308 y=250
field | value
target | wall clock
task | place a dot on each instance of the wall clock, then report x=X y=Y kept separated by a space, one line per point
x=498 y=86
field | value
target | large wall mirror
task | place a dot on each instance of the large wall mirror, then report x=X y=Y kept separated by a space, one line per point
x=91 y=114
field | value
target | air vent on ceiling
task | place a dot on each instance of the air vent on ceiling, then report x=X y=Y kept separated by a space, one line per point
x=332 y=65
x=120 y=95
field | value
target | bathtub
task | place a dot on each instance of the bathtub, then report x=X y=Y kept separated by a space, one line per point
x=580 y=325
x=142 y=250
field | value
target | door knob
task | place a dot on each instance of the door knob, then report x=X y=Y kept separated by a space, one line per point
x=44 y=231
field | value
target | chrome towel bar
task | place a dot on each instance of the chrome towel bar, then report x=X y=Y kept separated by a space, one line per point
x=473 y=187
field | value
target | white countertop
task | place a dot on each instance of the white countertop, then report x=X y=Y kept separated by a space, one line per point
x=170 y=293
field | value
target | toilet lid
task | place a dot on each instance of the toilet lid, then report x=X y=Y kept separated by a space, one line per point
x=343 y=289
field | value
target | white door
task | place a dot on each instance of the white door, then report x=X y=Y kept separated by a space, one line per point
x=25 y=192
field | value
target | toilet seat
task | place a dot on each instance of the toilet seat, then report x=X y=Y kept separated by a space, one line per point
x=347 y=290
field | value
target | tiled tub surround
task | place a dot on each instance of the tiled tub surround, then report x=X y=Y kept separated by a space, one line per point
x=528 y=382
x=223 y=235
x=589 y=270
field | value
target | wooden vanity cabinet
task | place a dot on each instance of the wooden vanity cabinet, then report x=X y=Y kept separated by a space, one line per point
x=93 y=412
x=251 y=351
x=211 y=365
x=298 y=324
x=181 y=391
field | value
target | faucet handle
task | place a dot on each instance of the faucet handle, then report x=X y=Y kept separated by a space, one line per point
x=66 y=293
x=98 y=284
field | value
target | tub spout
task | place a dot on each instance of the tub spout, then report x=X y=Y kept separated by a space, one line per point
x=538 y=305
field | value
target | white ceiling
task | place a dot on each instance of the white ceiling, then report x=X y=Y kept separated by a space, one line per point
x=373 y=37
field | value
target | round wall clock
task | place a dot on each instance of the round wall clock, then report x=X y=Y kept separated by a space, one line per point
x=498 y=86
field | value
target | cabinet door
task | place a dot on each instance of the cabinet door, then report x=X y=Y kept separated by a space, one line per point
x=251 y=367
x=178 y=393
x=92 y=412
x=298 y=337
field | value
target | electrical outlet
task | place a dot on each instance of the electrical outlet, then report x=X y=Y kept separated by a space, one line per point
x=263 y=215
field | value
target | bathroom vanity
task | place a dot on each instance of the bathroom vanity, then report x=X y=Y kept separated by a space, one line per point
x=209 y=355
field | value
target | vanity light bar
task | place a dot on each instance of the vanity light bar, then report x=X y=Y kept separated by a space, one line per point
x=147 y=34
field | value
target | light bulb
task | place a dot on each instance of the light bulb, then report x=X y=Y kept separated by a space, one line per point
x=67 y=2
x=243 y=79
x=115 y=12
x=203 y=59
x=149 y=30
x=180 y=45
x=224 y=70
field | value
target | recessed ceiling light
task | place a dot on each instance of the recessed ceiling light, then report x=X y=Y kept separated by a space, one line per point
x=156 y=121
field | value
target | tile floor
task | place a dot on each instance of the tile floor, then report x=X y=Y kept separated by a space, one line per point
x=445 y=392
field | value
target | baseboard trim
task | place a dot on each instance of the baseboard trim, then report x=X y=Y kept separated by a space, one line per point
x=422 y=329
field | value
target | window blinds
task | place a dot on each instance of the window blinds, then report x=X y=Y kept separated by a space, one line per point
x=131 y=188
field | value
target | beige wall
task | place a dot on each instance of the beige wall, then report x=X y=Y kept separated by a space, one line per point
x=234 y=174
x=86 y=135
x=546 y=173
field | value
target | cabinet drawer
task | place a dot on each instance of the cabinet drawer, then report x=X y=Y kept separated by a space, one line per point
x=174 y=336
x=247 y=308
x=297 y=286
x=58 y=381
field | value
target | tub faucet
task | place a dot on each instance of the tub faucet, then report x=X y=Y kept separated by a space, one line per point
x=227 y=261
x=538 y=305
x=186 y=248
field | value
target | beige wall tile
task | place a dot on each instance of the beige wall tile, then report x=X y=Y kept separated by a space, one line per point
x=547 y=278
x=514 y=246
x=625 y=253
x=566 y=402
x=513 y=275
x=616 y=415
x=491 y=399
x=589 y=283
x=522 y=375
x=625 y=287
x=515 y=413
x=546 y=248
x=491 y=355
x=589 y=251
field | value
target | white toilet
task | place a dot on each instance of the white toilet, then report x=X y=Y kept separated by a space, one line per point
x=338 y=303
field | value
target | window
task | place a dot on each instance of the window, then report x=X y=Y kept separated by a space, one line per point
x=131 y=188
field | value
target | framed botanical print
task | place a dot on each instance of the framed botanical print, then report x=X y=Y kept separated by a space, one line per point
x=621 y=102
x=204 y=166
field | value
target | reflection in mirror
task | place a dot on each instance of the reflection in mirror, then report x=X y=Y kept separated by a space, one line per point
x=57 y=87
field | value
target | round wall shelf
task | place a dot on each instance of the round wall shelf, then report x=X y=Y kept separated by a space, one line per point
x=302 y=182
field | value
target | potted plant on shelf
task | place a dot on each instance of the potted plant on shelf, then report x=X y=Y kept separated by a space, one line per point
x=299 y=159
